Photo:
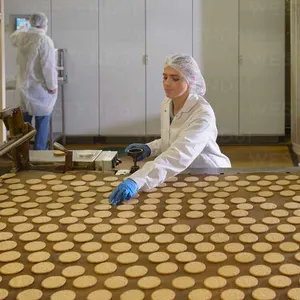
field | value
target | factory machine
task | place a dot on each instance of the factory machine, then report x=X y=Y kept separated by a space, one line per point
x=16 y=149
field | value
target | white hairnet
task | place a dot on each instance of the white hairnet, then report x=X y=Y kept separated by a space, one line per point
x=189 y=69
x=38 y=20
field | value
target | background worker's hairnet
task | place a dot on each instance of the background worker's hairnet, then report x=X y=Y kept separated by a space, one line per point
x=38 y=20
x=189 y=69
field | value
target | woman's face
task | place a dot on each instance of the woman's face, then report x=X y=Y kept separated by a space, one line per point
x=174 y=83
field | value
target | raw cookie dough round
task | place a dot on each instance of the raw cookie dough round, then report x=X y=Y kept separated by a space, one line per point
x=166 y=268
x=164 y=238
x=219 y=238
x=215 y=282
x=244 y=257
x=280 y=281
x=205 y=228
x=260 y=271
x=273 y=258
x=204 y=247
x=165 y=294
x=116 y=282
x=176 y=248
x=63 y=294
x=216 y=257
x=100 y=294
x=136 y=271
x=200 y=294
x=193 y=238
x=155 y=228
x=132 y=294
x=248 y=238
x=232 y=294
x=158 y=257
x=139 y=238
x=43 y=268
x=9 y=256
x=63 y=246
x=259 y=228
x=69 y=257
x=274 y=237
x=83 y=237
x=234 y=247
x=289 y=247
x=120 y=247
x=181 y=228
x=194 y=267
x=228 y=271
x=11 y=268
x=294 y=294
x=73 y=271
x=30 y=294
x=34 y=246
x=185 y=257
x=261 y=247
x=289 y=269
x=246 y=282
x=127 y=258
x=183 y=282
x=149 y=247
x=85 y=281
x=21 y=281
x=38 y=257
x=97 y=257
x=105 y=268
x=111 y=237
x=149 y=282
x=286 y=228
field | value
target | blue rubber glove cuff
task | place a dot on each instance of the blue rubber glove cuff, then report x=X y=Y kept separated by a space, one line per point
x=124 y=191
x=146 y=148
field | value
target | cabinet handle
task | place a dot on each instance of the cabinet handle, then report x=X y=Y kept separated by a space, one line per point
x=145 y=58
x=240 y=59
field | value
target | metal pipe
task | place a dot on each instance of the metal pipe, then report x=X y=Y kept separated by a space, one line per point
x=18 y=142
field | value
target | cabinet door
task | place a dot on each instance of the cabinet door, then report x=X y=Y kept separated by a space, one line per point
x=216 y=51
x=75 y=27
x=122 y=68
x=169 y=27
x=262 y=68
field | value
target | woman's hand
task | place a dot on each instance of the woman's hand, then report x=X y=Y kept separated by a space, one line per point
x=124 y=191
x=146 y=152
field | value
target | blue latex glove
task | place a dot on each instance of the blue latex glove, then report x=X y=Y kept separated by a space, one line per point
x=124 y=191
x=146 y=153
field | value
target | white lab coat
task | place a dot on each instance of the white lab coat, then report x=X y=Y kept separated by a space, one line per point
x=37 y=72
x=188 y=142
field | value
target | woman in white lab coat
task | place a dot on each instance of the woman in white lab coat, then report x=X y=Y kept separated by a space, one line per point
x=188 y=131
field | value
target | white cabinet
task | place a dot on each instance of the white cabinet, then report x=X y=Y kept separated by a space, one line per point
x=262 y=67
x=240 y=47
x=11 y=99
x=122 y=69
x=75 y=27
x=169 y=29
x=215 y=48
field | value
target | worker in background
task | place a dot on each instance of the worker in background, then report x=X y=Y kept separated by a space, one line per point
x=36 y=84
x=188 y=132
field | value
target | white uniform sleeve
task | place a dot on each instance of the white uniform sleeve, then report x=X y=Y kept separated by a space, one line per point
x=16 y=36
x=48 y=63
x=179 y=156
x=155 y=147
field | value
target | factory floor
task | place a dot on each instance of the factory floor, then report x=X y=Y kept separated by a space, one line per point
x=240 y=156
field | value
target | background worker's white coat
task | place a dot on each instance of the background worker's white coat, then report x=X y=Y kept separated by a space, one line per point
x=37 y=72
x=188 y=142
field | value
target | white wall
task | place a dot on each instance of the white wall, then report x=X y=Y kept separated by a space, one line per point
x=112 y=92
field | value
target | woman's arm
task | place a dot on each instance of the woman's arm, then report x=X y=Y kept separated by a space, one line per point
x=183 y=151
